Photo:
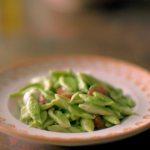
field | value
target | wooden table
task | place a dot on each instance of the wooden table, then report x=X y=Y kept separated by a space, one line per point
x=122 y=34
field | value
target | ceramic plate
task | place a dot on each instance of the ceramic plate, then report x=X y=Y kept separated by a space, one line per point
x=134 y=81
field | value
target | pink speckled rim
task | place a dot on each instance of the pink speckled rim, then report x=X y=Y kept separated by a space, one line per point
x=64 y=141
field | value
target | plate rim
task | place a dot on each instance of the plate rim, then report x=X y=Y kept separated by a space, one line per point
x=61 y=141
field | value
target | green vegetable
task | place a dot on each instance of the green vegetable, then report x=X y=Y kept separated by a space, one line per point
x=59 y=117
x=112 y=119
x=107 y=124
x=49 y=105
x=43 y=116
x=24 y=114
x=33 y=109
x=87 y=124
x=96 y=109
x=114 y=105
x=49 y=121
x=74 y=109
x=74 y=129
x=48 y=95
x=115 y=94
x=126 y=100
x=125 y=110
x=71 y=116
x=62 y=102
x=48 y=84
x=57 y=73
x=75 y=99
x=82 y=86
x=68 y=83
x=94 y=100
x=90 y=80
x=20 y=92
x=20 y=103
x=57 y=128
x=68 y=102
x=34 y=124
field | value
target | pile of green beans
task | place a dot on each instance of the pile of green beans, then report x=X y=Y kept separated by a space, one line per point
x=68 y=102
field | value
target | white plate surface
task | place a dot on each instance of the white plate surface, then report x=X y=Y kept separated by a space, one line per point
x=134 y=81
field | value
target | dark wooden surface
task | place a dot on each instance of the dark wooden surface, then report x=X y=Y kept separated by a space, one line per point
x=121 y=33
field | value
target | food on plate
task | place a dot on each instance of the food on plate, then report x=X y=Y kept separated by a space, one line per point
x=67 y=102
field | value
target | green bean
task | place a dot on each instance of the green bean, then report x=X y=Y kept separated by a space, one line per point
x=74 y=109
x=129 y=100
x=48 y=95
x=74 y=129
x=96 y=109
x=49 y=105
x=37 y=125
x=117 y=113
x=34 y=124
x=67 y=114
x=122 y=101
x=59 y=117
x=107 y=124
x=41 y=127
x=80 y=128
x=102 y=96
x=107 y=99
x=94 y=100
x=68 y=83
x=82 y=86
x=29 y=86
x=125 y=110
x=90 y=80
x=87 y=124
x=111 y=119
x=20 y=91
x=57 y=128
x=28 y=122
x=57 y=73
x=33 y=109
x=56 y=85
x=49 y=121
x=24 y=114
x=115 y=106
x=43 y=116
x=75 y=99
x=115 y=94
x=20 y=103
x=16 y=94
x=71 y=116
x=62 y=102
x=122 y=116
x=48 y=84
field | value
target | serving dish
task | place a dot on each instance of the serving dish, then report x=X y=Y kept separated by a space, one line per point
x=134 y=81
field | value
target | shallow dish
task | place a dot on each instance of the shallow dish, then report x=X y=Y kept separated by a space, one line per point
x=134 y=81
